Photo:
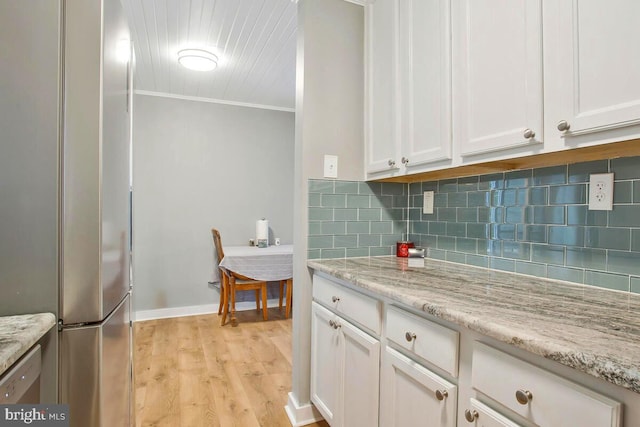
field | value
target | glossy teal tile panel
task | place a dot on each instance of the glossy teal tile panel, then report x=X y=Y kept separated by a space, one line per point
x=447 y=243
x=477 y=260
x=622 y=192
x=372 y=214
x=358 y=201
x=531 y=268
x=381 y=251
x=618 y=282
x=382 y=227
x=480 y=231
x=346 y=187
x=456 y=257
x=579 y=172
x=566 y=235
x=466 y=245
x=625 y=168
x=333 y=253
x=368 y=240
x=595 y=259
x=635 y=240
x=385 y=201
x=320 y=242
x=456 y=229
x=636 y=192
x=314 y=228
x=608 y=238
x=333 y=201
x=624 y=216
x=516 y=250
x=518 y=179
x=320 y=214
x=448 y=186
x=545 y=215
x=469 y=183
x=358 y=227
x=564 y=273
x=502 y=264
x=321 y=186
x=580 y=215
x=345 y=214
x=357 y=252
x=548 y=254
x=491 y=181
x=313 y=253
x=624 y=262
x=550 y=175
x=568 y=194
x=635 y=285
x=532 y=233
x=314 y=199
x=467 y=214
x=478 y=198
x=333 y=227
x=458 y=200
x=346 y=241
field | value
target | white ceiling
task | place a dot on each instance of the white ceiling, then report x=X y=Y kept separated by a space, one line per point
x=255 y=39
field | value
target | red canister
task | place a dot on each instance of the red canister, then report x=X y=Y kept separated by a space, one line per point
x=402 y=248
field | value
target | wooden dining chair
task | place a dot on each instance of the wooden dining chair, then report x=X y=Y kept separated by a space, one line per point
x=231 y=282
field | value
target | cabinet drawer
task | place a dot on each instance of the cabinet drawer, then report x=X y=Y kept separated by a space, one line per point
x=547 y=399
x=484 y=416
x=428 y=340
x=358 y=307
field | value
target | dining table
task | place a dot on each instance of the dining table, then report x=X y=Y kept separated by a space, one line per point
x=272 y=264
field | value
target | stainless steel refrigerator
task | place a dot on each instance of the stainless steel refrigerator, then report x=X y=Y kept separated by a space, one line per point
x=65 y=126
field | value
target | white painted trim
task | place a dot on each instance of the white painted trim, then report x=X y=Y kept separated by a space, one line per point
x=301 y=415
x=194 y=310
x=358 y=2
x=213 y=101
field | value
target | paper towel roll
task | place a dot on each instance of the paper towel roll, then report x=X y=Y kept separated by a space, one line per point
x=262 y=233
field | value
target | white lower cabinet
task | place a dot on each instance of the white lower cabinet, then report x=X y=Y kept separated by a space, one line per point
x=412 y=395
x=345 y=363
x=537 y=395
x=480 y=415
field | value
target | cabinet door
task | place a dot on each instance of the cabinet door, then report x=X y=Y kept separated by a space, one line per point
x=484 y=416
x=425 y=80
x=592 y=64
x=360 y=377
x=409 y=394
x=381 y=127
x=326 y=363
x=497 y=69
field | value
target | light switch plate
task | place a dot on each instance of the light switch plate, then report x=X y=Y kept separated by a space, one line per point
x=601 y=192
x=427 y=206
x=330 y=166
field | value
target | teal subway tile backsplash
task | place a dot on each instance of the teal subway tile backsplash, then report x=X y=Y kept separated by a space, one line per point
x=533 y=221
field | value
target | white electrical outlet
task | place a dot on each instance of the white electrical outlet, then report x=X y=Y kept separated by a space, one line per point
x=601 y=192
x=427 y=206
x=330 y=166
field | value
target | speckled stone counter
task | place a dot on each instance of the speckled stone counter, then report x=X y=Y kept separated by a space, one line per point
x=19 y=333
x=593 y=330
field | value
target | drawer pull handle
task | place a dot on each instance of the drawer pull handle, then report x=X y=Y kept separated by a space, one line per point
x=528 y=133
x=410 y=336
x=563 y=126
x=335 y=299
x=441 y=394
x=334 y=325
x=523 y=396
x=471 y=416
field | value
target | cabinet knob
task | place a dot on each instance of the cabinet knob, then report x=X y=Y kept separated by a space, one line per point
x=528 y=133
x=471 y=416
x=523 y=396
x=405 y=160
x=410 y=336
x=441 y=394
x=335 y=299
x=563 y=125
x=392 y=163
x=334 y=325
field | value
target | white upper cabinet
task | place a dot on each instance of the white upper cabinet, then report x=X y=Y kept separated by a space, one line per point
x=497 y=75
x=425 y=81
x=381 y=123
x=408 y=96
x=592 y=69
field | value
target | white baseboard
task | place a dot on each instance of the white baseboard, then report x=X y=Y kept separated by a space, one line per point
x=301 y=415
x=193 y=310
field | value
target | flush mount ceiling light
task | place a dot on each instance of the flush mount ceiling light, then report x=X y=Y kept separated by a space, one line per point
x=198 y=59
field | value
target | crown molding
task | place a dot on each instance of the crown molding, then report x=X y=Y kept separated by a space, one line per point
x=213 y=101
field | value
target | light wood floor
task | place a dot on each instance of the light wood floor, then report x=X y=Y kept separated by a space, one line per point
x=191 y=372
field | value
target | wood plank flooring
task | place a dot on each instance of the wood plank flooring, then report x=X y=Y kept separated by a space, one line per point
x=191 y=372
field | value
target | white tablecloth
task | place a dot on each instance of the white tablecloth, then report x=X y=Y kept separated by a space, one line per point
x=271 y=263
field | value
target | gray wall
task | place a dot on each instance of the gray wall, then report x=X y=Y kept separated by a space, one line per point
x=329 y=120
x=29 y=83
x=198 y=165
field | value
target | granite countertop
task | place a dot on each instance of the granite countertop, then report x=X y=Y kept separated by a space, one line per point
x=19 y=333
x=593 y=330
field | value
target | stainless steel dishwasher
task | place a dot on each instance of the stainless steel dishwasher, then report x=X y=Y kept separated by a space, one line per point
x=21 y=382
